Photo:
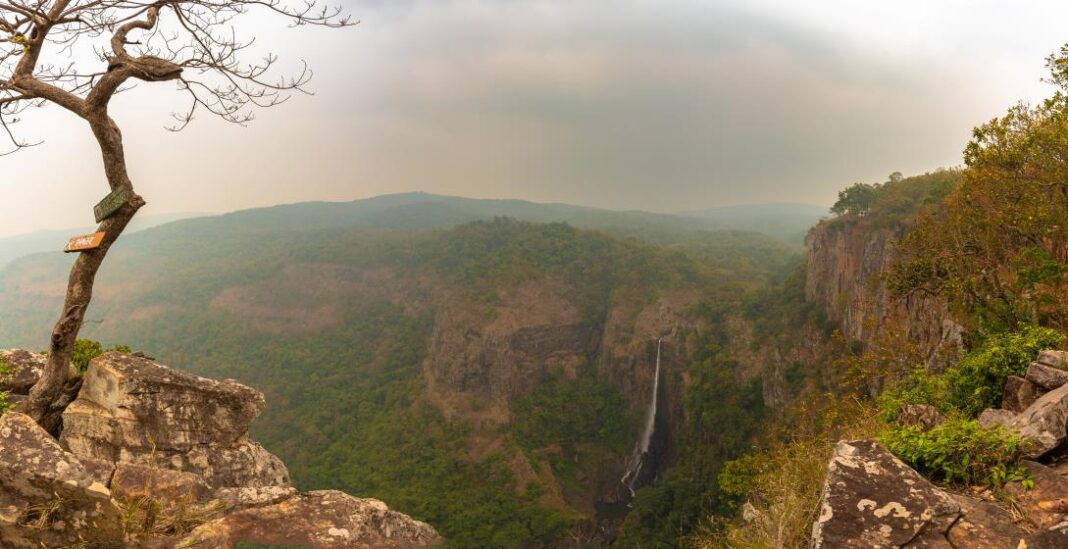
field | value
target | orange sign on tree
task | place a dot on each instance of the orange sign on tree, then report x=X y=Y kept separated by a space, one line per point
x=84 y=242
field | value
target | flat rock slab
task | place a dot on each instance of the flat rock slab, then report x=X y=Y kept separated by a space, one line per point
x=132 y=410
x=130 y=402
x=1043 y=423
x=1057 y=359
x=1047 y=377
x=871 y=499
x=316 y=520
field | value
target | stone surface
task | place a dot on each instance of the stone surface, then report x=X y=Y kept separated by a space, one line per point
x=1047 y=377
x=26 y=368
x=1049 y=486
x=1055 y=537
x=983 y=524
x=132 y=410
x=991 y=418
x=1019 y=393
x=1043 y=423
x=920 y=415
x=166 y=454
x=1057 y=359
x=872 y=499
x=318 y=520
x=132 y=481
x=47 y=498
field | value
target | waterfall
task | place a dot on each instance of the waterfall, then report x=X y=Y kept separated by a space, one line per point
x=641 y=450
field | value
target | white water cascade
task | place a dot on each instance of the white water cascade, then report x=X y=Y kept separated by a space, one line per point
x=641 y=450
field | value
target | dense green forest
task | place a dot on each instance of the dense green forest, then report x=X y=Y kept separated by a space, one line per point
x=337 y=325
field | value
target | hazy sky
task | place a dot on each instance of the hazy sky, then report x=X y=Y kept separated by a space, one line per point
x=661 y=105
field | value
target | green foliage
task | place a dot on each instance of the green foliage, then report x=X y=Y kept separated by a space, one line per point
x=5 y=371
x=570 y=412
x=958 y=451
x=85 y=350
x=855 y=199
x=994 y=249
x=898 y=198
x=975 y=383
x=919 y=387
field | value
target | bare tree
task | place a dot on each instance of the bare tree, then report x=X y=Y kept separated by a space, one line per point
x=78 y=54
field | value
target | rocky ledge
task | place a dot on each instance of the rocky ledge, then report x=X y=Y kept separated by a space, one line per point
x=872 y=499
x=152 y=457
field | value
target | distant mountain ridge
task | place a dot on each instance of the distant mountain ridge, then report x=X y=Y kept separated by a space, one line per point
x=21 y=245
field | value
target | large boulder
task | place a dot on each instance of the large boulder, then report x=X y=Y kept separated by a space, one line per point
x=132 y=410
x=1056 y=359
x=1042 y=424
x=1047 y=377
x=316 y=520
x=47 y=497
x=871 y=499
x=1019 y=393
x=26 y=369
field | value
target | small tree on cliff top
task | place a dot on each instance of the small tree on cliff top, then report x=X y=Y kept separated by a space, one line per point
x=78 y=54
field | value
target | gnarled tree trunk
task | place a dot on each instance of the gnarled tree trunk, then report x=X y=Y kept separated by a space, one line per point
x=47 y=392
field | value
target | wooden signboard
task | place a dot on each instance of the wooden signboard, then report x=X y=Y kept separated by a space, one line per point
x=111 y=203
x=84 y=242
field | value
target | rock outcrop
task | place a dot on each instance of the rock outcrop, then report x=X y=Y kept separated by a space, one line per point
x=871 y=499
x=153 y=457
x=846 y=261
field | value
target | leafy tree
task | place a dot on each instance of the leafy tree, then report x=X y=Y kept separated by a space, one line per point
x=997 y=250
x=190 y=42
x=855 y=199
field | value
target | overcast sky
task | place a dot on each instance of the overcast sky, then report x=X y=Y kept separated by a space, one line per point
x=661 y=105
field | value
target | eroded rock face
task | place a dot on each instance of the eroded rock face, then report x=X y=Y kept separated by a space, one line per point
x=319 y=520
x=871 y=499
x=47 y=497
x=1043 y=423
x=132 y=410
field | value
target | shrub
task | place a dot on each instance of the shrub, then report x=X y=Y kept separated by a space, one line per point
x=918 y=388
x=959 y=451
x=976 y=382
x=86 y=350
x=5 y=370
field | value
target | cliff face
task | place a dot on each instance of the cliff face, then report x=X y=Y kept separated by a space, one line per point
x=846 y=261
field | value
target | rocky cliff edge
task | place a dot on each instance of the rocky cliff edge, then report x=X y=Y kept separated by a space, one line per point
x=152 y=457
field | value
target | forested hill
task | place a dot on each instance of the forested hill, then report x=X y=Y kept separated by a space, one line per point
x=488 y=377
